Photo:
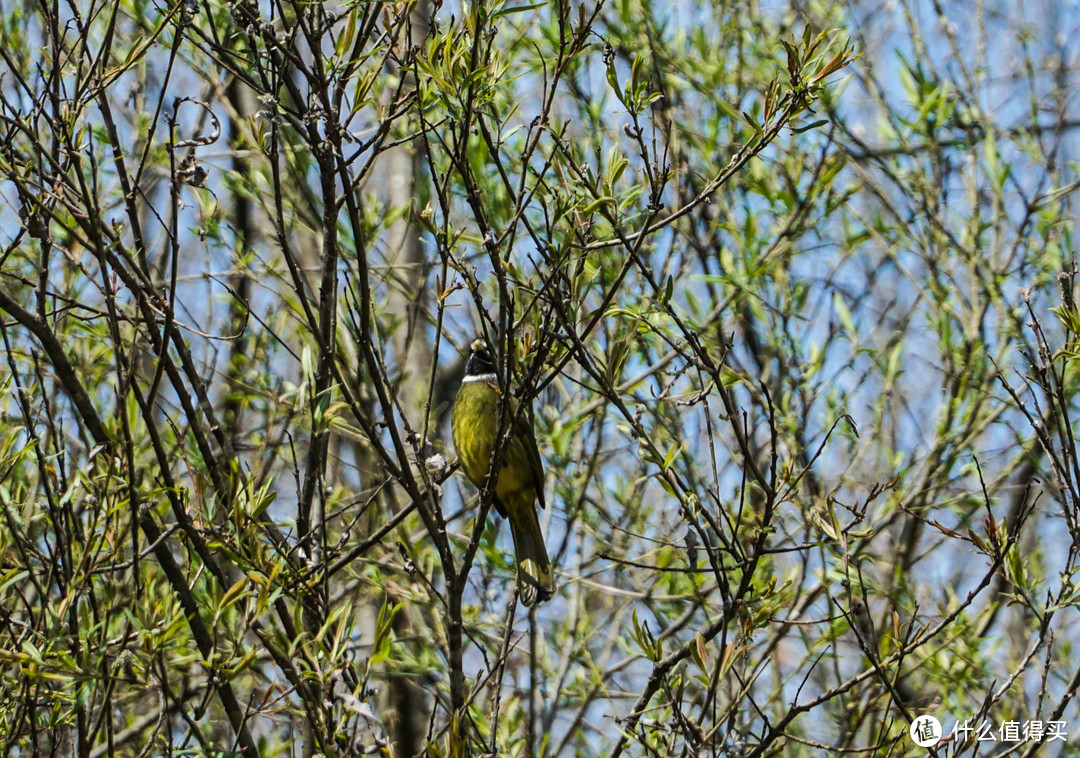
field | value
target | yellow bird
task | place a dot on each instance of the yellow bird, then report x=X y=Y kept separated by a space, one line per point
x=520 y=481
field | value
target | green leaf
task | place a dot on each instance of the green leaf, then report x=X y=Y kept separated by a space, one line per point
x=516 y=9
x=843 y=314
x=753 y=123
x=814 y=125
x=599 y=203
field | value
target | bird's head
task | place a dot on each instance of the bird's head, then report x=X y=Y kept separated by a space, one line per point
x=480 y=361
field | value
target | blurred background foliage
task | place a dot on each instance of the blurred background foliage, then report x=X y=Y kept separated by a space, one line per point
x=788 y=287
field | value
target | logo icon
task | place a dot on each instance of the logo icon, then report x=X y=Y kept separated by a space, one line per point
x=925 y=731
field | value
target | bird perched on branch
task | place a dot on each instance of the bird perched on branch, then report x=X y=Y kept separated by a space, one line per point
x=519 y=483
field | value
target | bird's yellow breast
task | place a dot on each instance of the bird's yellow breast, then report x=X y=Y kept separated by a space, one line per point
x=475 y=423
x=475 y=426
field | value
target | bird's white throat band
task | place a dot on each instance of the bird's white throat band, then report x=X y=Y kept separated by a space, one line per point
x=480 y=378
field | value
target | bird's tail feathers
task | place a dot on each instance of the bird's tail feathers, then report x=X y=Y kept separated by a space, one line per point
x=535 y=578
